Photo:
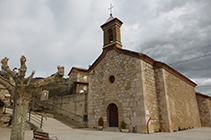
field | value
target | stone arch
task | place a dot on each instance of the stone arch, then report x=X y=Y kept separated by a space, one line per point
x=120 y=111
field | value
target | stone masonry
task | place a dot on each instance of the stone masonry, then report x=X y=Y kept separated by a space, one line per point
x=123 y=85
x=140 y=91
x=204 y=104
x=78 y=81
x=182 y=104
x=149 y=95
x=73 y=106
x=125 y=92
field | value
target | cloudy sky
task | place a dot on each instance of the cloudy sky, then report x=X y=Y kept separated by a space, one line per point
x=67 y=32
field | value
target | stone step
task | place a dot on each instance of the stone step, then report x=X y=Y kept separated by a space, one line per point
x=113 y=129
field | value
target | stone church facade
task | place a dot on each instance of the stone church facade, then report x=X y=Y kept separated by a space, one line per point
x=123 y=85
x=130 y=86
x=140 y=90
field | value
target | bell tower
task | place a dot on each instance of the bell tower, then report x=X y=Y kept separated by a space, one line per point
x=111 y=32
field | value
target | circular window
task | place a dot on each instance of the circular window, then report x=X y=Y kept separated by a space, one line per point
x=111 y=79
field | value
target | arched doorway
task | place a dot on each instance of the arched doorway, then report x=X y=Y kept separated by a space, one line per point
x=112 y=115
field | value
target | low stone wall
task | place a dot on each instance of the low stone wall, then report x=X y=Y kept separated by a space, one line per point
x=73 y=106
x=5 y=119
x=204 y=104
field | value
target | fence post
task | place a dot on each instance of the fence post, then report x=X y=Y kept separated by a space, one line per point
x=41 y=122
x=4 y=108
x=29 y=115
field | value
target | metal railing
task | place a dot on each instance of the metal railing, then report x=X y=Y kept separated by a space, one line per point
x=36 y=118
x=33 y=118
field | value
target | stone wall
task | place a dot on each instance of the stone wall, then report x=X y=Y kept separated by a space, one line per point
x=164 y=118
x=150 y=97
x=3 y=93
x=5 y=120
x=140 y=92
x=78 y=79
x=182 y=104
x=81 y=88
x=126 y=92
x=204 y=104
x=72 y=79
x=82 y=77
x=73 y=106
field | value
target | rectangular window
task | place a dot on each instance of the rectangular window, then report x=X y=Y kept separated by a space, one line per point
x=85 y=118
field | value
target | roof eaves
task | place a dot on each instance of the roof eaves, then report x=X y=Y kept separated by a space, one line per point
x=77 y=69
x=200 y=94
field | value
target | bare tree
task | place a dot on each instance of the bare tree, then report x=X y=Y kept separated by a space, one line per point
x=21 y=90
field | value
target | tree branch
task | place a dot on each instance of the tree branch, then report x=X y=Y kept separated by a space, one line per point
x=5 y=67
x=6 y=83
x=6 y=80
x=28 y=79
x=23 y=67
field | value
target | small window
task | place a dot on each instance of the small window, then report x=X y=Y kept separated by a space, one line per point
x=111 y=38
x=45 y=96
x=112 y=79
x=85 y=118
x=85 y=78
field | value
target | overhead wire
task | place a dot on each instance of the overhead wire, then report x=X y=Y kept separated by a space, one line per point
x=194 y=58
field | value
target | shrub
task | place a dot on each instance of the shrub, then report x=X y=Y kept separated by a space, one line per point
x=100 y=121
x=123 y=125
x=37 y=110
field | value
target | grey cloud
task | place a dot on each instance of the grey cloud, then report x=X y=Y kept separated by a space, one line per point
x=51 y=33
x=183 y=38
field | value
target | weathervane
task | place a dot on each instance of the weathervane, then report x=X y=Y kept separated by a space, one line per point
x=110 y=9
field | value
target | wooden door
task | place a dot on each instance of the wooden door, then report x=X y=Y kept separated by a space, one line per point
x=113 y=115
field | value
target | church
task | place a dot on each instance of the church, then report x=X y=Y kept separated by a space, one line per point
x=122 y=85
x=131 y=86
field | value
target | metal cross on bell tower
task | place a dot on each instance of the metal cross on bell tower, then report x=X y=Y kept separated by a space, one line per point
x=110 y=8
